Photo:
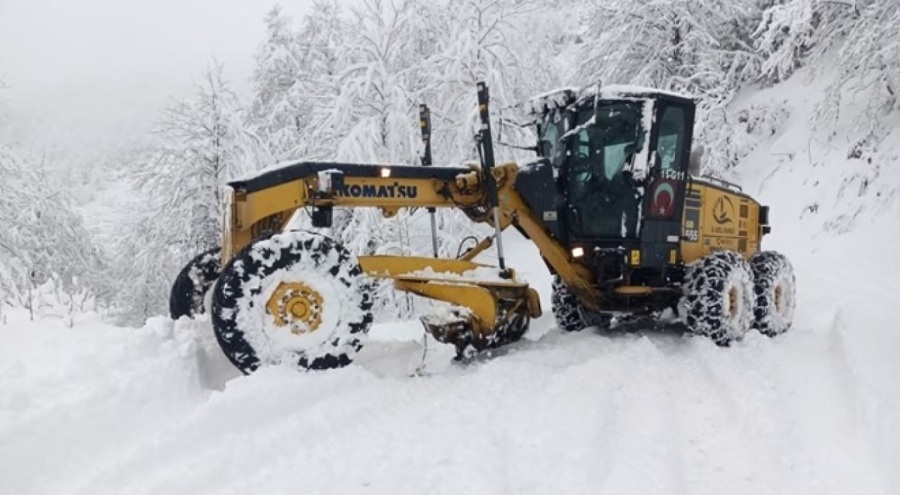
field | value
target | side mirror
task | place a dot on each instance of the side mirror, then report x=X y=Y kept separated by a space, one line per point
x=696 y=160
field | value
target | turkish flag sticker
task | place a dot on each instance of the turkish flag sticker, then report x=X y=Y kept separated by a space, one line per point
x=662 y=200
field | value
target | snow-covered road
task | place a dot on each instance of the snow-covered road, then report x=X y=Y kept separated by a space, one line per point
x=96 y=409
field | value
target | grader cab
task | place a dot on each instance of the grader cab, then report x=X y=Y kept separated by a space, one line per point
x=609 y=202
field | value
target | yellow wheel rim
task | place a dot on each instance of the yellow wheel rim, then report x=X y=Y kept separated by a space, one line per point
x=733 y=302
x=779 y=298
x=297 y=305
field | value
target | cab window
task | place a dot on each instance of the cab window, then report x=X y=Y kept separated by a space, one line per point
x=670 y=143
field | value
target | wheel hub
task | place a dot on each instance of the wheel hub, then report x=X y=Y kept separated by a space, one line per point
x=733 y=302
x=297 y=305
x=779 y=298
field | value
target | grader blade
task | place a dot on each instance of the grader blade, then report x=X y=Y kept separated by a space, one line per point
x=451 y=325
x=485 y=308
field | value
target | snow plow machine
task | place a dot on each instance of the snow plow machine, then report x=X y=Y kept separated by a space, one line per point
x=613 y=202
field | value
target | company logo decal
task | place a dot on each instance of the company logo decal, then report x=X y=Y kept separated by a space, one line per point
x=372 y=191
x=723 y=210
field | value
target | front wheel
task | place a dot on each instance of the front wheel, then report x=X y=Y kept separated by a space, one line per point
x=718 y=297
x=570 y=314
x=297 y=298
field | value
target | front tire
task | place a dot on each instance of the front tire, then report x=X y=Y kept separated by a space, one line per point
x=718 y=297
x=192 y=283
x=774 y=288
x=298 y=298
x=570 y=314
x=511 y=332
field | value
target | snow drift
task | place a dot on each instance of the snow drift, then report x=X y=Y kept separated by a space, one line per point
x=96 y=409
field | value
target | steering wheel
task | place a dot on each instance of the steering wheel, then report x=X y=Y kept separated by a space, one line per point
x=580 y=169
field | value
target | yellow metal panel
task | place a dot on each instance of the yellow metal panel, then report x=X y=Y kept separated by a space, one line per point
x=253 y=207
x=533 y=303
x=386 y=193
x=635 y=257
x=489 y=283
x=720 y=213
x=395 y=193
x=721 y=225
x=479 y=300
x=633 y=290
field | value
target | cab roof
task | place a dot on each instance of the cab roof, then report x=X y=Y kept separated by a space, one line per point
x=564 y=97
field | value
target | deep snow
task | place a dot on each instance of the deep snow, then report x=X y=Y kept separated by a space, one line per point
x=96 y=409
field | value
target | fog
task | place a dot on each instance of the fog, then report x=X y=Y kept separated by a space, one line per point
x=87 y=75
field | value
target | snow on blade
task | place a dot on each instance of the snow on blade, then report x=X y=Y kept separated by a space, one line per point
x=482 y=273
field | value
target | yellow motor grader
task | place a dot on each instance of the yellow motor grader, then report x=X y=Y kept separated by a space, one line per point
x=613 y=202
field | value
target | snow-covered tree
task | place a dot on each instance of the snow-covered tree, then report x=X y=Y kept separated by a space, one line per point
x=277 y=106
x=294 y=82
x=205 y=143
x=790 y=31
x=702 y=48
x=868 y=60
x=42 y=240
x=860 y=39
x=483 y=42
x=698 y=47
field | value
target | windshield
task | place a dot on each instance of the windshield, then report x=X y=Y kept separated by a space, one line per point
x=610 y=138
x=603 y=202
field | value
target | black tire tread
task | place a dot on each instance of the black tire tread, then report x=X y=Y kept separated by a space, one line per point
x=570 y=314
x=186 y=297
x=254 y=261
x=767 y=268
x=703 y=304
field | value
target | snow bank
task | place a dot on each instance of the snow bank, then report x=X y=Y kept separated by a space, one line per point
x=127 y=411
x=75 y=399
x=101 y=410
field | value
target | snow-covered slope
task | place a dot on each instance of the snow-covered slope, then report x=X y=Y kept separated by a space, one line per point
x=95 y=409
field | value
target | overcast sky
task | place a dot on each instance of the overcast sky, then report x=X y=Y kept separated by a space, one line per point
x=89 y=71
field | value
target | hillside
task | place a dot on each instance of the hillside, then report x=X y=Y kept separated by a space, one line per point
x=97 y=409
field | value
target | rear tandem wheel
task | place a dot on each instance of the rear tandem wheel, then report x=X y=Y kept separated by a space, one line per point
x=718 y=297
x=774 y=289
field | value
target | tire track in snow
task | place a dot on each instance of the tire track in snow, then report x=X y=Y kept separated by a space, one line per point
x=644 y=413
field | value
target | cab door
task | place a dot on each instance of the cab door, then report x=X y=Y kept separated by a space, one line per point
x=670 y=144
x=602 y=203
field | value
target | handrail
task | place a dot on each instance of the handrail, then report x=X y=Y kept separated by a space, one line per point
x=722 y=182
